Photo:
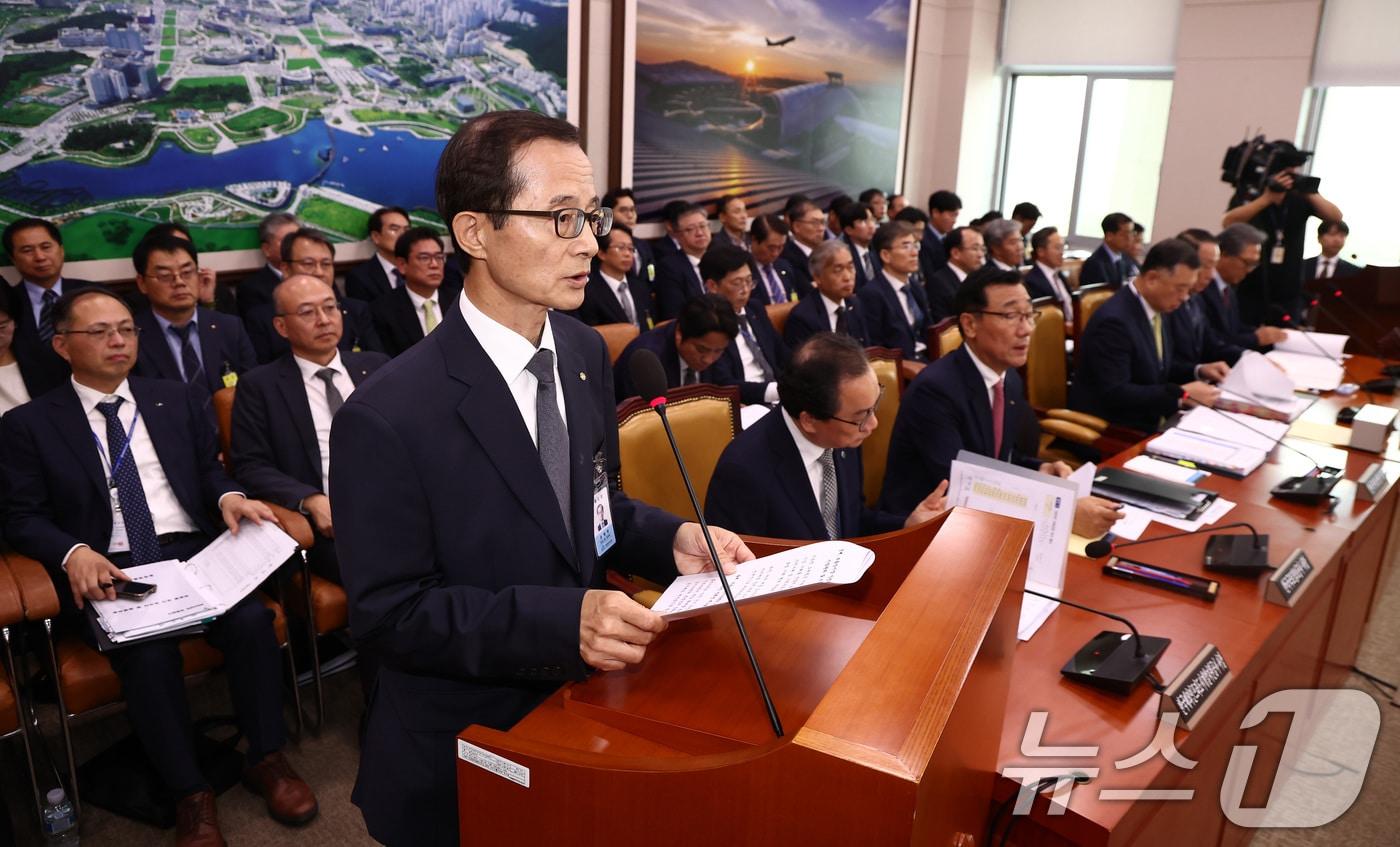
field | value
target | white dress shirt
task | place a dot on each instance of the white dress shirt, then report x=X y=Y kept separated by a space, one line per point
x=899 y=286
x=390 y=269
x=1327 y=268
x=861 y=253
x=320 y=407
x=510 y=353
x=831 y=307
x=748 y=356
x=620 y=291
x=811 y=456
x=990 y=378
x=418 y=302
x=1057 y=286
x=36 y=295
x=958 y=272
x=176 y=346
x=13 y=391
x=806 y=251
x=1002 y=265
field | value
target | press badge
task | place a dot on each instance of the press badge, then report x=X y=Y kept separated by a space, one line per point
x=1276 y=255
x=118 y=544
x=604 y=535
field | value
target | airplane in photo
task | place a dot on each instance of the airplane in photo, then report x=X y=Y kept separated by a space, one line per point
x=781 y=41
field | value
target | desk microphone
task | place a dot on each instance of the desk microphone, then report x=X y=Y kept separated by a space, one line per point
x=649 y=378
x=1115 y=661
x=1241 y=555
x=1312 y=488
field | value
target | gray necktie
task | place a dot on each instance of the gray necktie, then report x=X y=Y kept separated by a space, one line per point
x=759 y=359
x=624 y=296
x=333 y=398
x=829 y=499
x=552 y=438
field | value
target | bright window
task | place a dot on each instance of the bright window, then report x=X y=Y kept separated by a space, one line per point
x=1355 y=152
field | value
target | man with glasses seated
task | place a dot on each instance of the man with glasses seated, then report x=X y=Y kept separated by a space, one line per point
x=757 y=355
x=615 y=293
x=378 y=275
x=1241 y=249
x=184 y=341
x=796 y=472
x=808 y=229
x=678 y=274
x=689 y=347
x=255 y=289
x=307 y=251
x=108 y=472
x=404 y=316
x=973 y=399
x=895 y=304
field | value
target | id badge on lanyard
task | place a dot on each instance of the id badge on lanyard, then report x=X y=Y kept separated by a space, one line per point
x=118 y=542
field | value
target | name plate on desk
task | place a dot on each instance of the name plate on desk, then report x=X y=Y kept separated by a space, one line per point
x=1290 y=580
x=1372 y=483
x=1197 y=687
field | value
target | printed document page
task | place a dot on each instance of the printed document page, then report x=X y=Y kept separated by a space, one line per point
x=1326 y=344
x=796 y=571
x=1314 y=373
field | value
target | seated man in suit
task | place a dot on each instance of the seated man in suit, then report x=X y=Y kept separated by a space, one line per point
x=944 y=207
x=614 y=293
x=256 y=289
x=1332 y=235
x=1126 y=372
x=307 y=251
x=857 y=230
x=966 y=253
x=797 y=473
x=807 y=227
x=757 y=356
x=973 y=399
x=1241 y=249
x=282 y=412
x=895 y=305
x=834 y=308
x=36 y=248
x=623 y=202
x=1109 y=262
x=688 y=347
x=106 y=472
x=1044 y=279
x=875 y=199
x=404 y=316
x=378 y=275
x=1025 y=215
x=1194 y=339
x=183 y=341
x=775 y=281
x=733 y=217
x=212 y=293
x=678 y=274
x=1002 y=238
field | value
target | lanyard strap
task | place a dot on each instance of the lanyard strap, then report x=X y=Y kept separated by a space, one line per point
x=126 y=448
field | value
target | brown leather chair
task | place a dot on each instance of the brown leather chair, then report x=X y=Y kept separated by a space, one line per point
x=888 y=366
x=1071 y=269
x=1087 y=300
x=617 y=336
x=330 y=609
x=86 y=684
x=704 y=418
x=943 y=338
x=16 y=715
x=778 y=315
x=1046 y=372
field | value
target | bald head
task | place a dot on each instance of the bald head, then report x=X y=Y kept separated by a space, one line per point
x=292 y=288
x=308 y=316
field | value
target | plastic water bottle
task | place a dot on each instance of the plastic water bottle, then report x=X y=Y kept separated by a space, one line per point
x=60 y=823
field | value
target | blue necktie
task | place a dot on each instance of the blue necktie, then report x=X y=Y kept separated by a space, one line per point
x=46 y=316
x=136 y=512
x=914 y=309
x=189 y=359
x=776 y=292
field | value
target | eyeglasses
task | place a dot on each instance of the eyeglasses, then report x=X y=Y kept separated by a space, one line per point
x=102 y=332
x=695 y=229
x=568 y=223
x=623 y=248
x=821 y=220
x=430 y=258
x=744 y=282
x=866 y=416
x=165 y=277
x=310 y=313
x=313 y=265
x=1028 y=318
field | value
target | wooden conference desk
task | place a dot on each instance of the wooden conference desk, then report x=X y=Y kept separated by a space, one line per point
x=895 y=691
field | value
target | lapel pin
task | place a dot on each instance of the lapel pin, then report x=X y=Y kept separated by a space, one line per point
x=158 y=405
x=583 y=376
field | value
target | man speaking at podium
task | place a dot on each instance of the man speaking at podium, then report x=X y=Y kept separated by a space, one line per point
x=466 y=476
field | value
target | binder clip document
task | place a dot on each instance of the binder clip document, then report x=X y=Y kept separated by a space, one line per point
x=987 y=485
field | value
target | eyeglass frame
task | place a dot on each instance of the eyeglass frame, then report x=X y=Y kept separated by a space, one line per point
x=102 y=334
x=168 y=277
x=1031 y=318
x=869 y=413
x=601 y=218
x=311 y=312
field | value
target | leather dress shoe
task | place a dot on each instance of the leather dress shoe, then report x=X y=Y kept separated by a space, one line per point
x=196 y=822
x=289 y=799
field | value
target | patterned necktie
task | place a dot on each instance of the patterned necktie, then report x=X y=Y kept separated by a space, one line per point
x=553 y=439
x=333 y=398
x=625 y=298
x=867 y=265
x=998 y=415
x=136 y=512
x=189 y=360
x=759 y=359
x=829 y=497
x=46 y=316
x=914 y=310
x=776 y=292
x=688 y=375
x=1157 y=334
x=430 y=318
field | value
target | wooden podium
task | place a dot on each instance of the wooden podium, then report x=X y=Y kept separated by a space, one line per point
x=891 y=692
x=1369 y=307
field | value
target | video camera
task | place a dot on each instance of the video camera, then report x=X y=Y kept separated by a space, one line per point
x=1250 y=166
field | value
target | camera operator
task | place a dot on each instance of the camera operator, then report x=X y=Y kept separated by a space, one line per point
x=1272 y=293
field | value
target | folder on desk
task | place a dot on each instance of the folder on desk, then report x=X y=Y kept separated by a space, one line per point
x=1155 y=495
x=1203 y=451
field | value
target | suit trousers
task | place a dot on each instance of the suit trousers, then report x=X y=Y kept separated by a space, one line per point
x=153 y=683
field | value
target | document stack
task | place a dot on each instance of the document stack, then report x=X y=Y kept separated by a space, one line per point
x=1228 y=443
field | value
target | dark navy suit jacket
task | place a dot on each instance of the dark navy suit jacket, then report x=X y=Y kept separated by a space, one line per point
x=861 y=279
x=801 y=269
x=1037 y=285
x=274 y=447
x=1100 y=267
x=729 y=370
x=600 y=304
x=884 y=316
x=932 y=256
x=809 y=317
x=460 y=572
x=944 y=410
x=676 y=282
x=367 y=280
x=646 y=264
x=396 y=321
x=1225 y=318
x=43 y=369
x=786 y=277
x=1119 y=377
x=1344 y=269
x=254 y=290
x=941 y=289
x=660 y=340
x=357 y=330
x=760 y=487
x=224 y=346
x=1195 y=341
x=55 y=483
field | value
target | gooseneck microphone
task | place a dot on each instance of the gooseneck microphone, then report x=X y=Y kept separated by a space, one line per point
x=649 y=378
x=1107 y=661
x=1244 y=555
x=1311 y=488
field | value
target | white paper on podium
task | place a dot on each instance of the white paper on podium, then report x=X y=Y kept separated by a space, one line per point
x=1314 y=373
x=977 y=482
x=1254 y=380
x=795 y=571
x=1326 y=344
x=1234 y=427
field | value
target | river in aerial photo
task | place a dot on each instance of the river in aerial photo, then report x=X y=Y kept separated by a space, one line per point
x=391 y=167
